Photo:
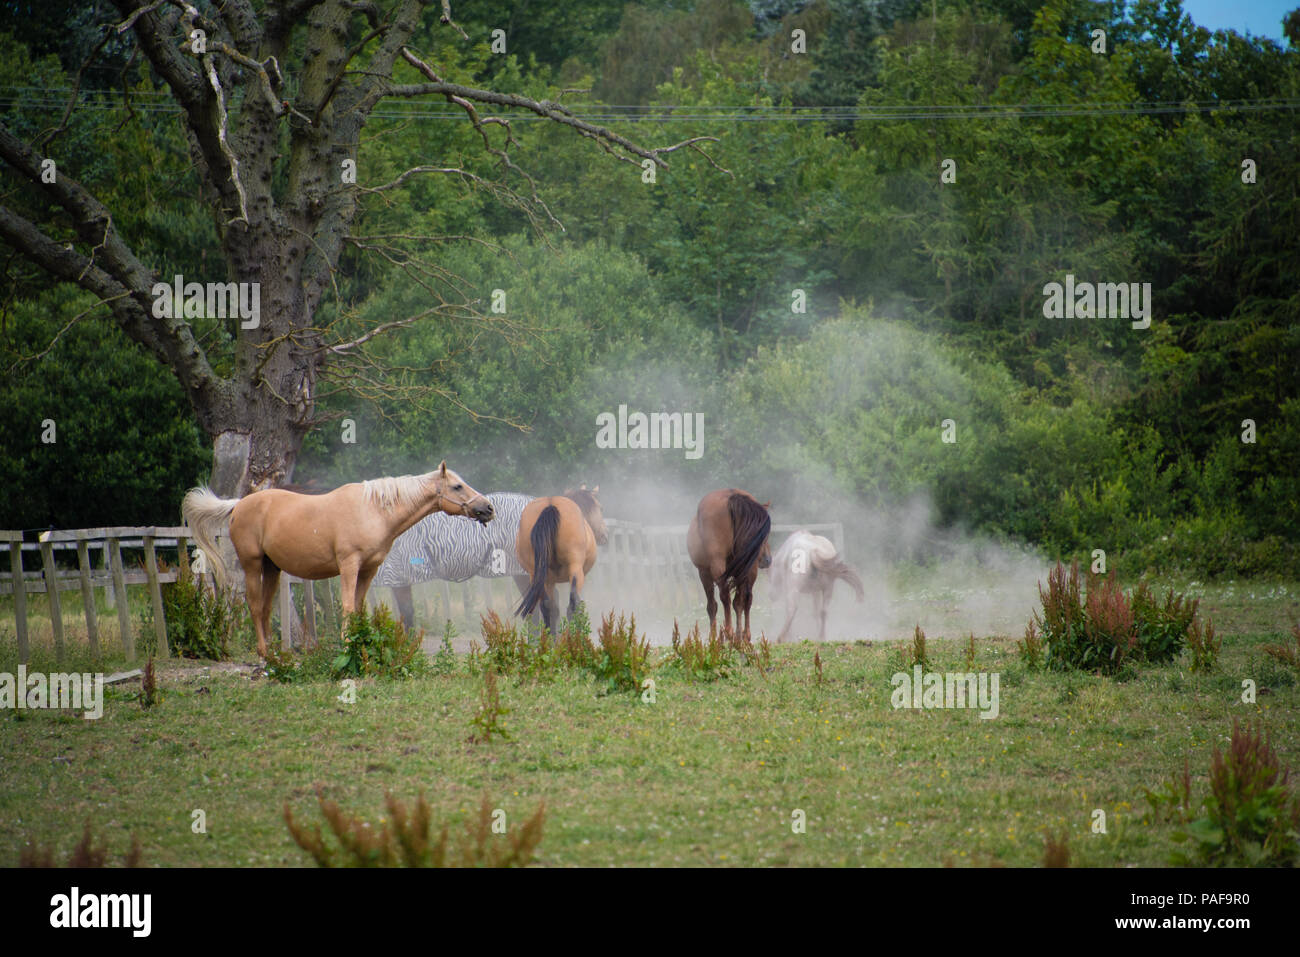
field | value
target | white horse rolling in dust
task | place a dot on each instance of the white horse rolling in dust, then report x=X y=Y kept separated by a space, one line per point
x=807 y=564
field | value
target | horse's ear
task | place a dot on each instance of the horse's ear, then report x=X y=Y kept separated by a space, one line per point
x=442 y=469
x=768 y=506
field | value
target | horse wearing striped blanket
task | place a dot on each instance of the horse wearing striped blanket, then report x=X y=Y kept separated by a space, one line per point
x=448 y=548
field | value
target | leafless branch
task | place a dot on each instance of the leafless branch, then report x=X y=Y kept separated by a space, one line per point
x=22 y=360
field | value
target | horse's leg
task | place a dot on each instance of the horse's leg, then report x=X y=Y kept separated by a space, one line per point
x=270 y=582
x=706 y=579
x=349 y=569
x=550 y=610
x=576 y=580
x=791 y=607
x=253 y=592
x=364 y=577
x=725 y=591
x=405 y=606
x=819 y=606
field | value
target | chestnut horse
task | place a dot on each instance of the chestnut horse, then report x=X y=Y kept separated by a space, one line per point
x=557 y=543
x=346 y=532
x=808 y=564
x=727 y=542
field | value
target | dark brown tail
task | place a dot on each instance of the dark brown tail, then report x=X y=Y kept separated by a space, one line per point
x=542 y=538
x=750 y=526
x=837 y=569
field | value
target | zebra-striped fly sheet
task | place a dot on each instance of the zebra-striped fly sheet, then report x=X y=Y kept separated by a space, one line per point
x=453 y=548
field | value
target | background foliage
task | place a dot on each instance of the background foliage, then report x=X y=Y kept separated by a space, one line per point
x=924 y=298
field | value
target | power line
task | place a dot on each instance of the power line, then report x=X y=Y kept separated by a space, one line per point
x=42 y=98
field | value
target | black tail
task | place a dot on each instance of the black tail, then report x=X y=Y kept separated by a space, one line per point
x=542 y=538
x=750 y=526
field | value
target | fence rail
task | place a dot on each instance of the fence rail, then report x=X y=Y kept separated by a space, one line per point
x=650 y=558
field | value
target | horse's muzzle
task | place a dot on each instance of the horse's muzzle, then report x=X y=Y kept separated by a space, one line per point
x=765 y=561
x=481 y=512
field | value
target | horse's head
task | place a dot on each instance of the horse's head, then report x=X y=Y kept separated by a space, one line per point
x=586 y=500
x=459 y=498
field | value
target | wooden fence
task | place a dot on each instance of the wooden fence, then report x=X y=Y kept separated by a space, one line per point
x=109 y=573
x=650 y=559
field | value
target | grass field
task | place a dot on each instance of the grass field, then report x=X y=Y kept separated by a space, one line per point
x=707 y=774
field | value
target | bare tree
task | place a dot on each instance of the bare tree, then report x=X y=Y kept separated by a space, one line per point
x=273 y=93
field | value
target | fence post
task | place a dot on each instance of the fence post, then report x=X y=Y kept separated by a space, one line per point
x=155 y=593
x=110 y=600
x=119 y=589
x=88 y=595
x=52 y=591
x=15 y=540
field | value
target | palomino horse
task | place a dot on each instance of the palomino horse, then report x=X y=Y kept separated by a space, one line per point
x=557 y=543
x=807 y=564
x=727 y=542
x=346 y=532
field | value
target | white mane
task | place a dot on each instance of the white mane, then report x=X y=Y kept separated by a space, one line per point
x=403 y=490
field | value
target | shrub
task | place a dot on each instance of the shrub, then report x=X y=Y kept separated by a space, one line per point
x=375 y=644
x=84 y=854
x=1289 y=655
x=1031 y=649
x=700 y=659
x=202 y=623
x=404 y=839
x=915 y=653
x=444 y=662
x=1099 y=628
x=515 y=650
x=622 y=660
x=1204 y=646
x=149 y=694
x=1162 y=628
x=487 y=720
x=314 y=663
x=1056 y=850
x=1250 y=817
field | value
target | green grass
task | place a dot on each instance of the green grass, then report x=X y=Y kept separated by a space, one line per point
x=709 y=774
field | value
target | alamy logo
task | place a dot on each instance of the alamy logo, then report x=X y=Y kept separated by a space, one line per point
x=102 y=910
x=1105 y=300
x=658 y=430
x=946 y=690
x=79 y=692
x=215 y=300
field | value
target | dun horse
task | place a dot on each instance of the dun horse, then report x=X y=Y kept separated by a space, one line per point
x=727 y=542
x=807 y=564
x=557 y=543
x=346 y=532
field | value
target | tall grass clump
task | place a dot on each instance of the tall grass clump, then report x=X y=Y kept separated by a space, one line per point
x=1288 y=655
x=404 y=838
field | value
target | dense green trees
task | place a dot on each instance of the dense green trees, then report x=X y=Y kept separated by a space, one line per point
x=924 y=297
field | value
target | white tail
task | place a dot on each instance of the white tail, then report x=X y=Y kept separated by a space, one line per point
x=833 y=567
x=207 y=514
